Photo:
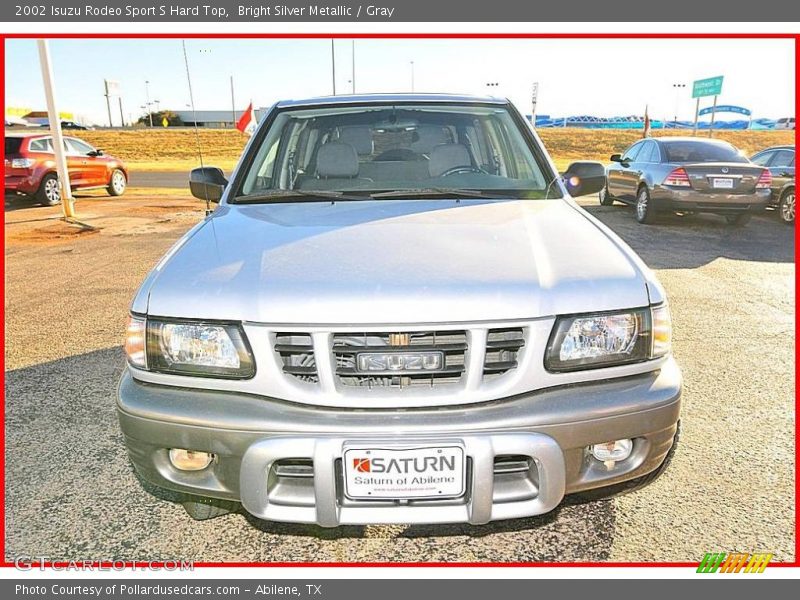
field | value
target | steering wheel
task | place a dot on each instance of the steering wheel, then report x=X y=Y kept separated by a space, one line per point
x=458 y=170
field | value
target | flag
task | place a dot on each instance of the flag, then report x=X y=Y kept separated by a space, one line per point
x=646 y=132
x=246 y=122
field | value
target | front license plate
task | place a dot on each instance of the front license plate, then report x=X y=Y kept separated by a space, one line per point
x=723 y=184
x=403 y=472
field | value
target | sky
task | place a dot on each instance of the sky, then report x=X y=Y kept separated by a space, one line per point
x=610 y=77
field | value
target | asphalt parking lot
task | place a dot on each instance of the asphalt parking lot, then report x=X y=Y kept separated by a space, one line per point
x=72 y=494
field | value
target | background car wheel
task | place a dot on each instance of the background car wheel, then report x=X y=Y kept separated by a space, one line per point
x=738 y=220
x=644 y=208
x=606 y=199
x=786 y=207
x=117 y=184
x=49 y=193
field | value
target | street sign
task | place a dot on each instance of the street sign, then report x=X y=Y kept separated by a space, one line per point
x=164 y=122
x=707 y=87
x=740 y=110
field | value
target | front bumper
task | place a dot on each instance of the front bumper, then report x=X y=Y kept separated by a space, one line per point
x=250 y=435
x=675 y=199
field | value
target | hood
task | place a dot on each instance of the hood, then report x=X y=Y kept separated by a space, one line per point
x=393 y=262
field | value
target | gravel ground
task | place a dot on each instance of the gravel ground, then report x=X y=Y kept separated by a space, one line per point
x=71 y=493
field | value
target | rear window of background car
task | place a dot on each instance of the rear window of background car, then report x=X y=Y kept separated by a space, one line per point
x=697 y=151
x=13 y=145
x=40 y=145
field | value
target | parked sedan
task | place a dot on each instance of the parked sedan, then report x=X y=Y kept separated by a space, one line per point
x=780 y=162
x=687 y=175
x=30 y=167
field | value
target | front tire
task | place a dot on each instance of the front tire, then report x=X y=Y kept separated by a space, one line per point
x=202 y=509
x=738 y=220
x=606 y=199
x=49 y=193
x=786 y=207
x=645 y=213
x=117 y=183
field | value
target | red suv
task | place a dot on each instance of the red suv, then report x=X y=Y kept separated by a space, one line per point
x=31 y=167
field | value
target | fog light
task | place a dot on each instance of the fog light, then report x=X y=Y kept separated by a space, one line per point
x=612 y=451
x=189 y=460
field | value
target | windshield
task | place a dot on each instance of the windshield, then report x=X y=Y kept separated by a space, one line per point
x=699 y=151
x=393 y=148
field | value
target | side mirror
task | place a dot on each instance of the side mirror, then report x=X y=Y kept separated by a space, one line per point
x=207 y=183
x=616 y=158
x=96 y=152
x=585 y=177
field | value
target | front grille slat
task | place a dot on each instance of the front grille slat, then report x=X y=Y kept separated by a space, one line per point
x=296 y=351
x=502 y=350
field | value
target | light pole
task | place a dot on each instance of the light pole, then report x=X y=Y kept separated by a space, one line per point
x=147 y=96
x=677 y=87
x=353 y=55
x=412 y=76
x=333 y=67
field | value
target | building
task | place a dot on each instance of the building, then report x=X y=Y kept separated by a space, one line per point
x=213 y=119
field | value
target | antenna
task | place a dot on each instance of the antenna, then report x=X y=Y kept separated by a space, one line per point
x=194 y=119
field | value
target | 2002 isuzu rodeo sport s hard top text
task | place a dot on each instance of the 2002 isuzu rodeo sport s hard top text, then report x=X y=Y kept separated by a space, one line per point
x=397 y=314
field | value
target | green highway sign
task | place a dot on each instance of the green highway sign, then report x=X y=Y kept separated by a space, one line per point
x=707 y=87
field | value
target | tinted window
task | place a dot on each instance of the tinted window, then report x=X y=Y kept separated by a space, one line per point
x=649 y=153
x=699 y=151
x=783 y=158
x=41 y=145
x=13 y=145
x=632 y=152
x=79 y=147
x=762 y=159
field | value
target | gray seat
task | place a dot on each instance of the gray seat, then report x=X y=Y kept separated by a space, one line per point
x=427 y=137
x=336 y=160
x=358 y=136
x=448 y=156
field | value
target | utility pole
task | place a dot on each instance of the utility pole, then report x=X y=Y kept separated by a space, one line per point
x=412 y=76
x=67 y=202
x=713 y=117
x=147 y=95
x=108 y=104
x=353 y=55
x=233 y=104
x=333 y=67
x=677 y=87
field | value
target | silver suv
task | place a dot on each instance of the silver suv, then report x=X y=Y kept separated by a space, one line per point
x=397 y=314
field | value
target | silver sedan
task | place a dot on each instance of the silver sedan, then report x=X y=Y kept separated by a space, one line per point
x=686 y=175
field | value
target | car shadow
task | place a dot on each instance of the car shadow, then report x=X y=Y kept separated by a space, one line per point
x=688 y=242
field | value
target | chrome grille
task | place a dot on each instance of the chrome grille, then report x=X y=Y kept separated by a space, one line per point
x=502 y=350
x=296 y=351
x=346 y=347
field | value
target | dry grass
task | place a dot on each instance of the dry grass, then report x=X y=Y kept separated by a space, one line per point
x=176 y=149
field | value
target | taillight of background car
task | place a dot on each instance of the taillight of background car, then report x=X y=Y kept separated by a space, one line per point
x=678 y=178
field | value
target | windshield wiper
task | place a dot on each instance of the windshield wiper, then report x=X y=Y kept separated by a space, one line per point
x=278 y=196
x=439 y=192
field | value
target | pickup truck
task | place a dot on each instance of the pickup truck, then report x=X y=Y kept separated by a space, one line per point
x=396 y=313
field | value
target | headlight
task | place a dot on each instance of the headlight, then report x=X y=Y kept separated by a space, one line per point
x=608 y=339
x=190 y=348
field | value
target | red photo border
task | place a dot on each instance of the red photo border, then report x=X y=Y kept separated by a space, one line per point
x=98 y=565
